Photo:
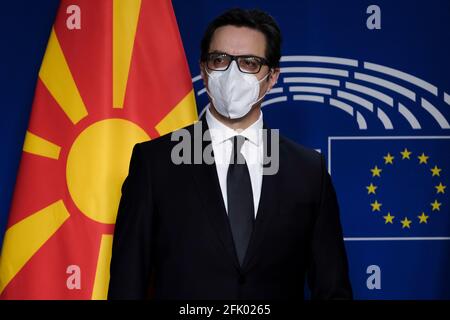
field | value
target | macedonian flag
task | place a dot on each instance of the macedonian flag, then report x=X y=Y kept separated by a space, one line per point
x=114 y=74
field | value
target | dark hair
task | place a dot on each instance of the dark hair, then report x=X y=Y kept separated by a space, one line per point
x=254 y=19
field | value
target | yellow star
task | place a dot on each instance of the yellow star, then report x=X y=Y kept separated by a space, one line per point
x=376 y=206
x=376 y=171
x=406 y=223
x=423 y=158
x=423 y=218
x=436 y=171
x=435 y=206
x=389 y=218
x=405 y=154
x=440 y=188
x=371 y=189
x=388 y=159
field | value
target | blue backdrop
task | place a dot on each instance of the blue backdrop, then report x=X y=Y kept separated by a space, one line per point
x=366 y=85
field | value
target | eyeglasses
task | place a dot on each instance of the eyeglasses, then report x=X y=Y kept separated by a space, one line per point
x=247 y=64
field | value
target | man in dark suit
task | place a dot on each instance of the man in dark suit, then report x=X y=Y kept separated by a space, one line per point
x=230 y=228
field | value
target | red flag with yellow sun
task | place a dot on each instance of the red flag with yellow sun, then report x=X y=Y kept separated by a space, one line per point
x=114 y=74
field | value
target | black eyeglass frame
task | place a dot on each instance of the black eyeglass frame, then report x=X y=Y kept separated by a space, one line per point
x=263 y=61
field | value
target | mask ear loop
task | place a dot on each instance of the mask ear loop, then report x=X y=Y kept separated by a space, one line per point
x=206 y=70
x=262 y=97
x=206 y=89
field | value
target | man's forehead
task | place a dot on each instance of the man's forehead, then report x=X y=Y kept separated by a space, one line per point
x=238 y=41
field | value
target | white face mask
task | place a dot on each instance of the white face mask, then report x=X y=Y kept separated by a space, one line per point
x=233 y=92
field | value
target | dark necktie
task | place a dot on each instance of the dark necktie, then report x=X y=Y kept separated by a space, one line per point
x=240 y=199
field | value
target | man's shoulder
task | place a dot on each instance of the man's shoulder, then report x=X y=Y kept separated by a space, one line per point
x=297 y=152
x=302 y=167
x=165 y=142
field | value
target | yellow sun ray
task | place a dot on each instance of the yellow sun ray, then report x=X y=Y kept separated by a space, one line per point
x=100 y=291
x=40 y=146
x=125 y=20
x=183 y=114
x=56 y=76
x=24 y=239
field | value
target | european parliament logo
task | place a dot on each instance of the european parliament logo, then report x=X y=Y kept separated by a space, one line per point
x=366 y=91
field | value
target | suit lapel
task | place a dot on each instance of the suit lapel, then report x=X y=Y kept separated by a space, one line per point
x=205 y=176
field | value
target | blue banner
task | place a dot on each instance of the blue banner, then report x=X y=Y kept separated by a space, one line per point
x=367 y=84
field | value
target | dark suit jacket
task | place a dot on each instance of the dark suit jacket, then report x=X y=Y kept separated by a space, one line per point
x=172 y=231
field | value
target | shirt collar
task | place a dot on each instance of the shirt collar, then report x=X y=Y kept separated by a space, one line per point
x=220 y=132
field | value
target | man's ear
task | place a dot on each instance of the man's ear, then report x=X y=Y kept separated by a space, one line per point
x=203 y=73
x=273 y=77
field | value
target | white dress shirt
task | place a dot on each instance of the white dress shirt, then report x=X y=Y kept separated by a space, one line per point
x=252 y=150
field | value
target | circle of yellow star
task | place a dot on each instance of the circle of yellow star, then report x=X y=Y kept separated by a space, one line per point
x=435 y=205
x=388 y=159
x=406 y=223
x=389 y=218
x=423 y=158
x=376 y=206
x=376 y=171
x=440 y=188
x=423 y=218
x=436 y=171
x=405 y=154
x=371 y=188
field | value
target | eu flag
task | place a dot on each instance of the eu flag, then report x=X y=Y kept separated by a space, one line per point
x=392 y=186
x=395 y=211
